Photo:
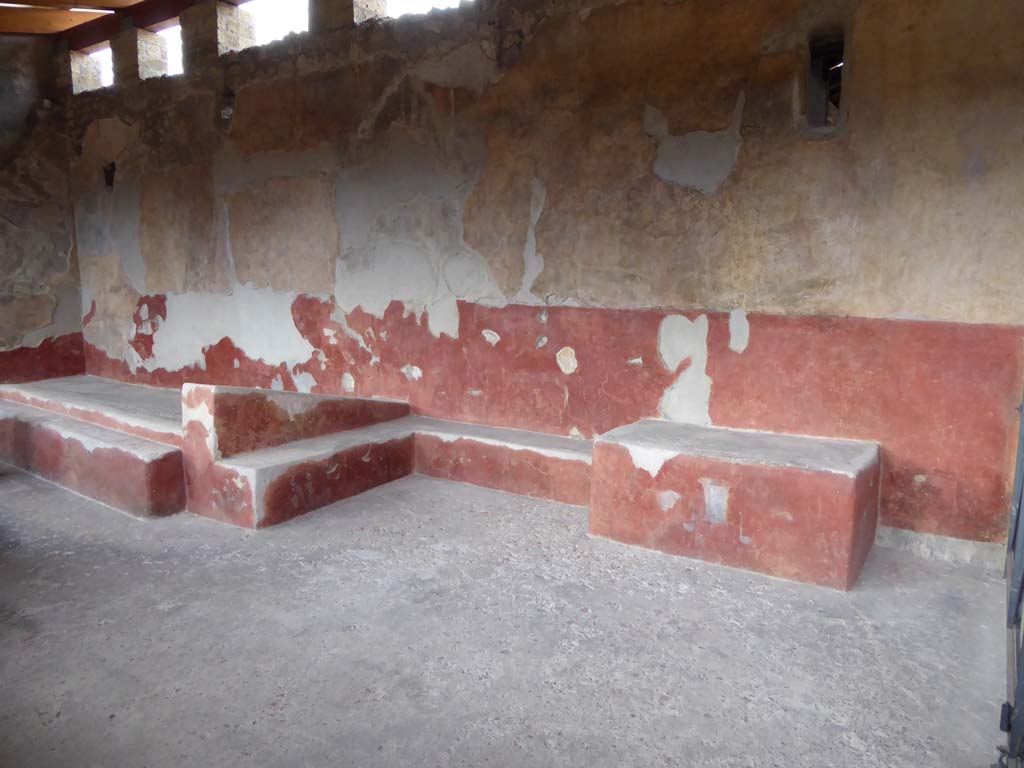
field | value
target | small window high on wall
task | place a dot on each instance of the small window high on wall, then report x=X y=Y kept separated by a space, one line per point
x=396 y=8
x=106 y=61
x=171 y=33
x=825 y=81
x=277 y=18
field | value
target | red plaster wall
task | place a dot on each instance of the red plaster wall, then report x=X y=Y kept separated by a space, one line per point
x=59 y=356
x=939 y=397
x=251 y=421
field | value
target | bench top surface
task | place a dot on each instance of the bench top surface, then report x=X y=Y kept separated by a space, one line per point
x=283 y=396
x=136 y=405
x=651 y=442
x=91 y=436
x=316 y=448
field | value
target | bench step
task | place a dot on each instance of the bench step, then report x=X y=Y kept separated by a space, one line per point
x=802 y=508
x=275 y=484
x=243 y=419
x=129 y=473
x=153 y=413
x=527 y=463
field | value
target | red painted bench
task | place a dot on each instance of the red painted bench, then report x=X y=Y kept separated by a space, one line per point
x=802 y=508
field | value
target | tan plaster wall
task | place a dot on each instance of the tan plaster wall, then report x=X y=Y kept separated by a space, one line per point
x=274 y=168
x=271 y=246
x=39 y=296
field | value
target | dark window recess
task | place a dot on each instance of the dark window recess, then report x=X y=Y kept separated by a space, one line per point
x=825 y=82
x=108 y=173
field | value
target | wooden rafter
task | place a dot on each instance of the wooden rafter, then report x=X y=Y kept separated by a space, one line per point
x=41 y=21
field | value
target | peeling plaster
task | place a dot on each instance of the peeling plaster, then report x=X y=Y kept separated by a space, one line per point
x=470 y=66
x=348 y=382
x=402 y=235
x=700 y=160
x=412 y=372
x=716 y=501
x=490 y=337
x=66 y=316
x=566 y=358
x=649 y=459
x=304 y=381
x=257 y=320
x=688 y=398
x=667 y=500
x=201 y=415
x=533 y=262
x=739 y=330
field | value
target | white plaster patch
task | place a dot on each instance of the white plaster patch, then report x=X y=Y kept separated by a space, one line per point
x=293 y=403
x=304 y=381
x=490 y=337
x=635 y=361
x=566 y=358
x=412 y=372
x=257 y=320
x=400 y=216
x=533 y=262
x=236 y=364
x=201 y=415
x=739 y=330
x=667 y=500
x=716 y=501
x=688 y=398
x=699 y=160
x=542 y=341
x=920 y=479
x=649 y=459
x=348 y=382
x=474 y=392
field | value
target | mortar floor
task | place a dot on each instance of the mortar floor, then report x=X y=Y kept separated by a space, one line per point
x=433 y=624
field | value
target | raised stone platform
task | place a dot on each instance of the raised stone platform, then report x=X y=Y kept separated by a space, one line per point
x=129 y=473
x=269 y=486
x=802 y=508
x=150 y=412
x=798 y=507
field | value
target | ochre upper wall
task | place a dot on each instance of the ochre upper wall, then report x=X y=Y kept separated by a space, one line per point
x=646 y=154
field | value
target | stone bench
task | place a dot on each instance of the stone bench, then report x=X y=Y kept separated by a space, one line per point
x=256 y=458
x=129 y=473
x=153 y=413
x=801 y=508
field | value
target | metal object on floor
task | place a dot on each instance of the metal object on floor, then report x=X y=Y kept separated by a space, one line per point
x=1011 y=718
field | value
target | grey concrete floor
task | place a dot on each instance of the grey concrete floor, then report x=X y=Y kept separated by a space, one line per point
x=428 y=623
